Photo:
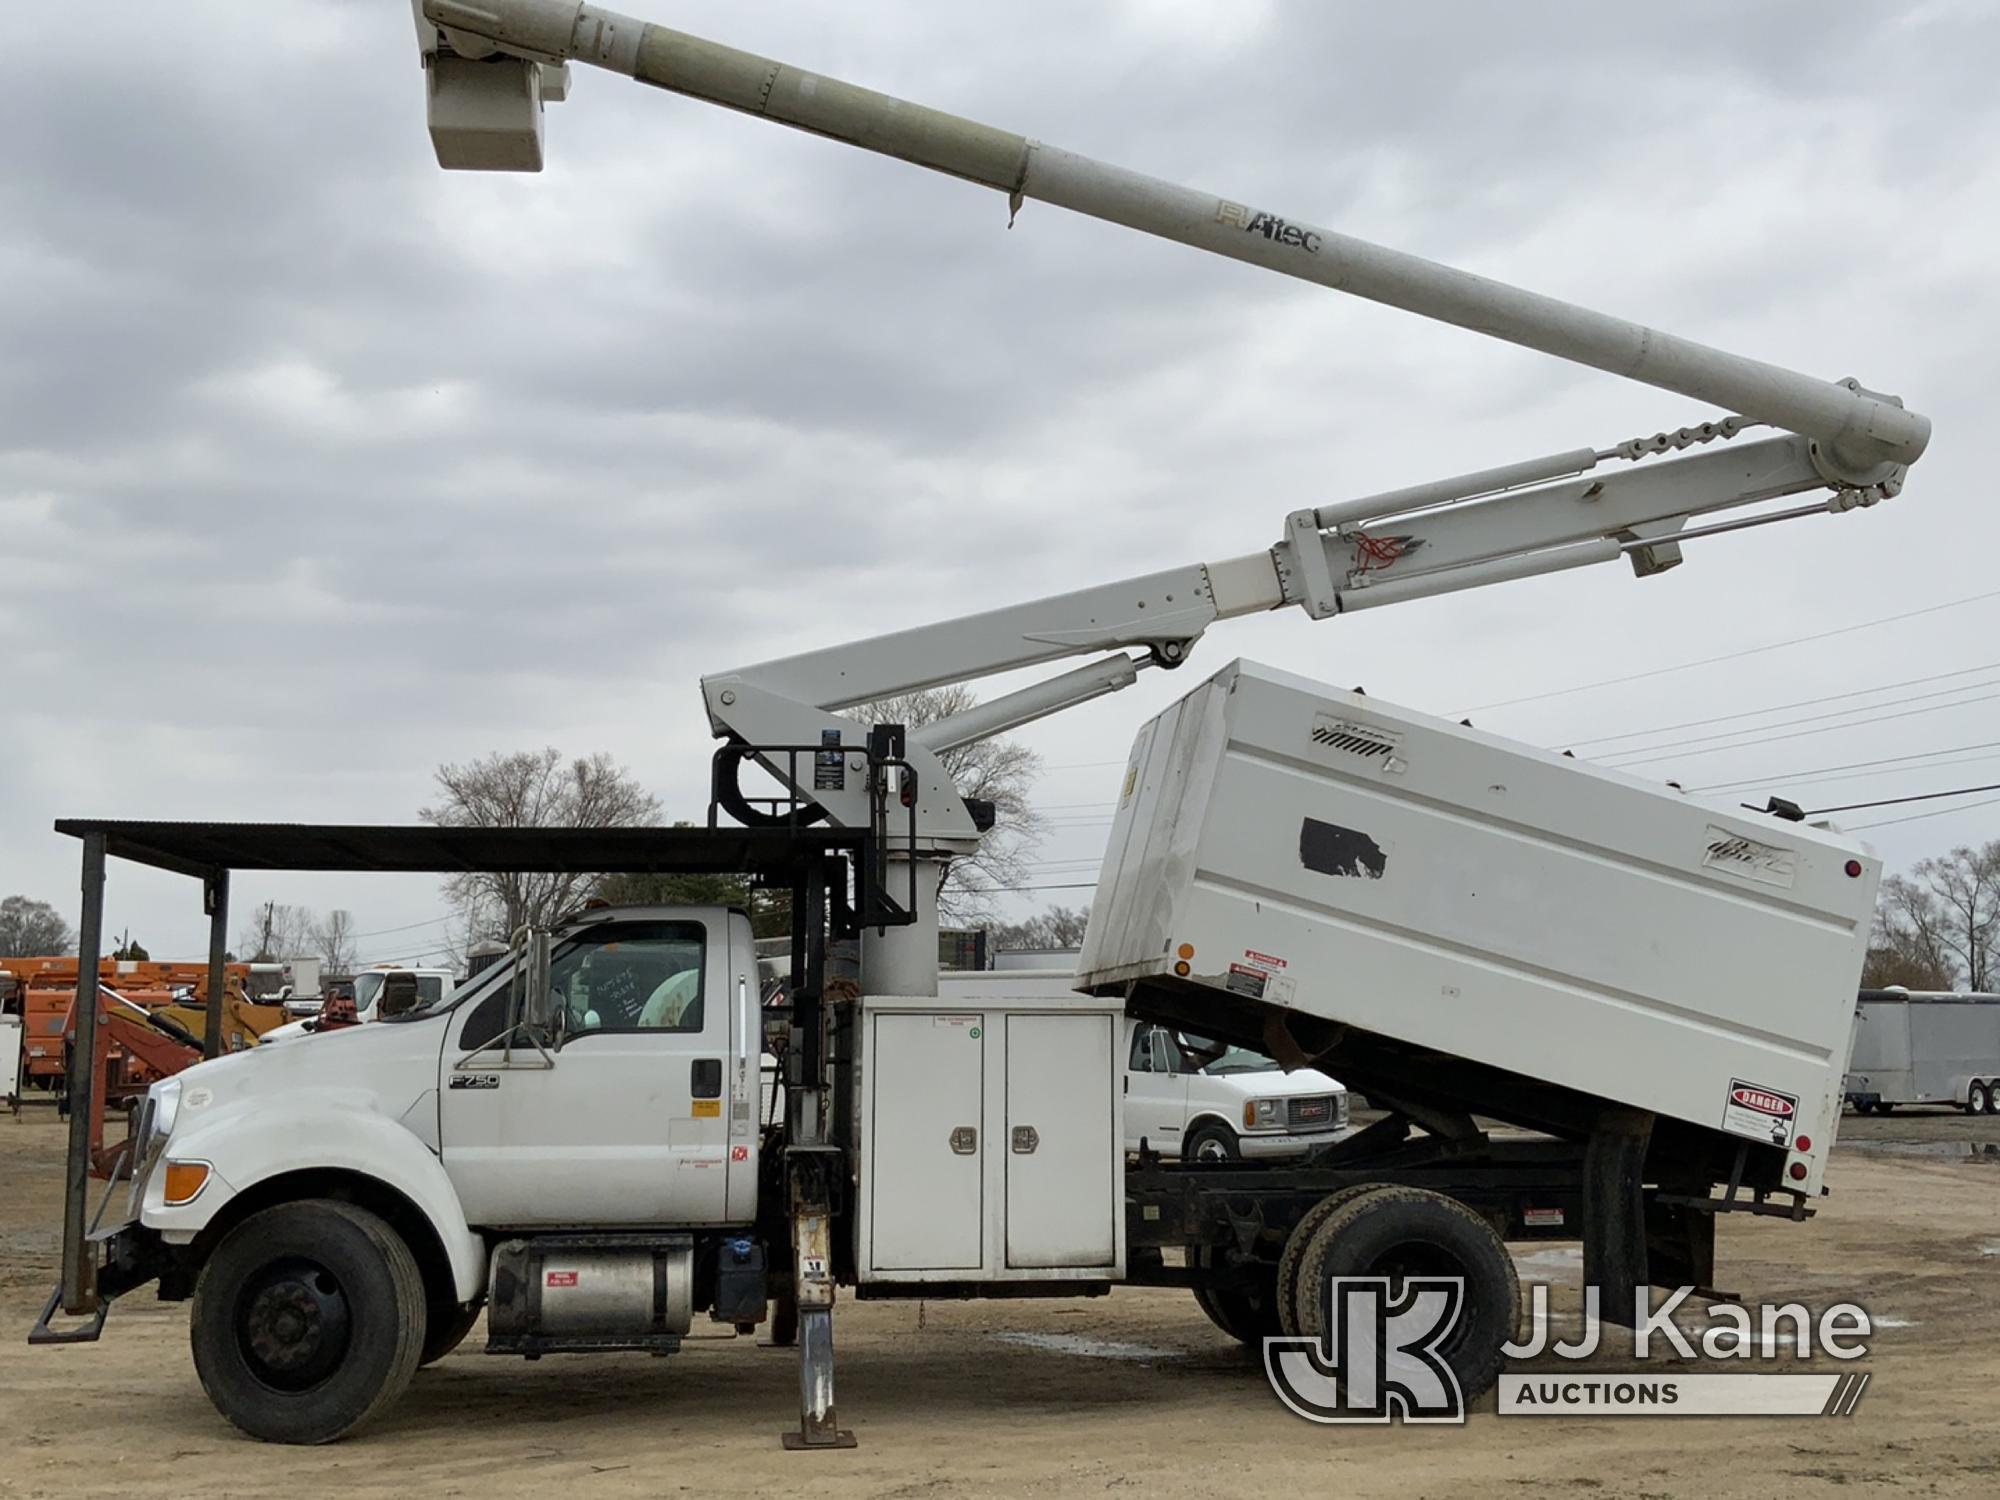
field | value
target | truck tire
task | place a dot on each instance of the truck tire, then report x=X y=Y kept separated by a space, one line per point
x=1976 y=1098
x=1211 y=1141
x=1294 y=1257
x=1248 y=1317
x=308 y=1321
x=1400 y=1231
x=445 y=1329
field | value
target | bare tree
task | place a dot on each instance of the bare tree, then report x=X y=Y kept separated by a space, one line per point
x=1058 y=927
x=1941 y=920
x=531 y=789
x=275 y=931
x=1000 y=771
x=333 y=935
x=33 y=929
x=1887 y=966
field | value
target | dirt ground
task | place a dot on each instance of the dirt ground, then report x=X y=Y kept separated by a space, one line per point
x=1134 y=1392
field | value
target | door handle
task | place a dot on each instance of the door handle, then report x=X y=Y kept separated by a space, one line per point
x=705 y=1078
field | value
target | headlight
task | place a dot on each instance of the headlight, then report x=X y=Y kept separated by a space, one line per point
x=166 y=1097
x=1264 y=1114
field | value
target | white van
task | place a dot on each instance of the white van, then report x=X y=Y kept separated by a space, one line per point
x=1186 y=1096
x=432 y=986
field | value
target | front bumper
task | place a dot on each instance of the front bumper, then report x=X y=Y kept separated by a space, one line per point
x=1280 y=1147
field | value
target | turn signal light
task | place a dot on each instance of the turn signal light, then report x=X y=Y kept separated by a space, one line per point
x=1798 y=1171
x=1183 y=968
x=185 y=1179
x=1186 y=950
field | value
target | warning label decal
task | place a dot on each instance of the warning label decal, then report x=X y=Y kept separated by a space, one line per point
x=1760 y=1113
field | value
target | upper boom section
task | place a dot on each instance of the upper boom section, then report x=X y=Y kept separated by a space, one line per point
x=482 y=116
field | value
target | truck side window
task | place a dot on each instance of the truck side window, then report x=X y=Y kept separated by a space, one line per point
x=632 y=976
x=1142 y=1049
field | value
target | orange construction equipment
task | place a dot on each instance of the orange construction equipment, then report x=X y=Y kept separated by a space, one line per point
x=135 y=1047
x=177 y=991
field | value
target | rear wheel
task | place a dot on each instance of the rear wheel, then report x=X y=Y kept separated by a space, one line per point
x=1296 y=1245
x=1248 y=1312
x=1976 y=1099
x=1399 y=1232
x=308 y=1320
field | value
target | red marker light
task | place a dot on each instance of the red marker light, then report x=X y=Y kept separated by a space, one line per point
x=1854 y=869
x=1798 y=1171
x=1803 y=1143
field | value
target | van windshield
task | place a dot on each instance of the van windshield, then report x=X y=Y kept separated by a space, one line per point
x=1240 y=1060
x=1229 y=1060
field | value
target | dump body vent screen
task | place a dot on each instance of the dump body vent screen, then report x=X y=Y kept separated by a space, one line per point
x=1363 y=740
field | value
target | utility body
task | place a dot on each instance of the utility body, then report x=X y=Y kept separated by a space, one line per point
x=1652 y=988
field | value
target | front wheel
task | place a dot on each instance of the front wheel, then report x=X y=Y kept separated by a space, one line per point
x=1212 y=1142
x=308 y=1321
x=1976 y=1099
x=446 y=1329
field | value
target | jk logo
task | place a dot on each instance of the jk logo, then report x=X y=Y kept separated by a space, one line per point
x=1379 y=1359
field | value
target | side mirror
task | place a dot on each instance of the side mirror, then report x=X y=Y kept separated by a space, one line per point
x=531 y=1000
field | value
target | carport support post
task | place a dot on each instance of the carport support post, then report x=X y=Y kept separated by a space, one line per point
x=79 y=1267
x=215 y=903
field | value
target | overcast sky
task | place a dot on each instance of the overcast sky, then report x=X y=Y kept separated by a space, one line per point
x=319 y=466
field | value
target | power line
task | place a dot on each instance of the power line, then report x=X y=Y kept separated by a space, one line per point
x=1709 y=661
x=407 y=927
x=1964 y=791
x=1856 y=765
x=1651 y=757
x=1917 y=817
x=1674 y=750
x=1752 y=713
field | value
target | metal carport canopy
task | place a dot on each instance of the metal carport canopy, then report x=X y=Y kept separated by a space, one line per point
x=199 y=849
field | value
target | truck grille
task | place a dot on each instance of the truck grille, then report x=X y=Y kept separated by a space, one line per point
x=1317 y=1112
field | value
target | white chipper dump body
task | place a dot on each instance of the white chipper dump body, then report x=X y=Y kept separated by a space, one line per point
x=1285 y=852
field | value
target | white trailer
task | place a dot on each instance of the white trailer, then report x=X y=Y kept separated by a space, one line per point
x=1461 y=925
x=1925 y=1047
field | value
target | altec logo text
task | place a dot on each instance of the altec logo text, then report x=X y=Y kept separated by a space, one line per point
x=1273 y=228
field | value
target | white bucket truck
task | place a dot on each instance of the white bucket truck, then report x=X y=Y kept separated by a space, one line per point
x=1658 y=984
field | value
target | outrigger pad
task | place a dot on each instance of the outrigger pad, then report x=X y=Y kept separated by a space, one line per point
x=85 y=1333
x=798 y=1442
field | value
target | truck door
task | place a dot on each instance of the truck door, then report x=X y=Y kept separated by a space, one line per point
x=629 y=1123
x=1156 y=1091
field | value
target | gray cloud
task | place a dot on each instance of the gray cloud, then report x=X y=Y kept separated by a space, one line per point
x=318 y=466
